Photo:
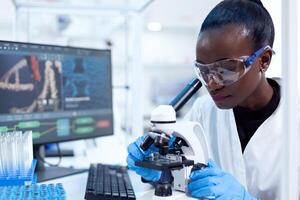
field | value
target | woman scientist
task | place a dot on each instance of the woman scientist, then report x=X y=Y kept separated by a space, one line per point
x=240 y=117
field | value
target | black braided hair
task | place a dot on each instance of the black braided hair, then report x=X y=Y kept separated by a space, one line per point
x=258 y=2
x=249 y=13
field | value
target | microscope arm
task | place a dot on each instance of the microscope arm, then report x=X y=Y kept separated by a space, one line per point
x=193 y=135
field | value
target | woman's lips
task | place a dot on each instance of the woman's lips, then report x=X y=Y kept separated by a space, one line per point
x=219 y=98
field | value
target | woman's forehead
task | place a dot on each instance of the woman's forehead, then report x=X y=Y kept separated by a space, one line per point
x=229 y=41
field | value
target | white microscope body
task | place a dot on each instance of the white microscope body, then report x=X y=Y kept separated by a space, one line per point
x=163 y=118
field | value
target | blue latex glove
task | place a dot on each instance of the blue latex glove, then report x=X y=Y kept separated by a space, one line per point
x=135 y=153
x=213 y=182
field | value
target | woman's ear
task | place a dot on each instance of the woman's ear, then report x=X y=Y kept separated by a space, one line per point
x=265 y=60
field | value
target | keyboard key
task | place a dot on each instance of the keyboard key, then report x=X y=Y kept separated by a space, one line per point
x=108 y=182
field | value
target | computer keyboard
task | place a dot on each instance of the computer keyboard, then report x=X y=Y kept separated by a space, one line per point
x=108 y=182
x=33 y=192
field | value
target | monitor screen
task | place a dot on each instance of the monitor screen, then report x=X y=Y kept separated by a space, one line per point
x=60 y=93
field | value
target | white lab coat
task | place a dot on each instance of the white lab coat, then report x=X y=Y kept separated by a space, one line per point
x=258 y=168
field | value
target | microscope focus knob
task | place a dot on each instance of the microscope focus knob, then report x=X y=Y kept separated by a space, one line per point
x=163 y=190
x=198 y=166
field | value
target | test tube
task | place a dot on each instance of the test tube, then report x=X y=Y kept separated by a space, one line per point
x=2 y=153
x=1 y=156
x=29 y=151
x=16 y=153
x=6 y=153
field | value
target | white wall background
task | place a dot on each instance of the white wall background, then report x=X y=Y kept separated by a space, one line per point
x=170 y=51
x=274 y=8
x=6 y=20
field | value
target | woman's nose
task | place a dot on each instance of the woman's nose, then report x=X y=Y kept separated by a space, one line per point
x=214 y=83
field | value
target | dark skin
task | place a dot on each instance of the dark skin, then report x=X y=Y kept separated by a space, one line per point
x=232 y=41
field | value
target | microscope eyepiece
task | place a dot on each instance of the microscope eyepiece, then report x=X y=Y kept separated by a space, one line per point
x=186 y=94
x=147 y=143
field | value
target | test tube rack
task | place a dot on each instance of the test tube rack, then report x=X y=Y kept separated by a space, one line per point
x=20 y=177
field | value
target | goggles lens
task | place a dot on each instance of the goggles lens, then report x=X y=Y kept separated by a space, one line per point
x=223 y=72
x=228 y=71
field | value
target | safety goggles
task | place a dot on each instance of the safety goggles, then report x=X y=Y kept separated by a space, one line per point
x=227 y=71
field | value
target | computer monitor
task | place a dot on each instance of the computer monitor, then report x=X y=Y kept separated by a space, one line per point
x=60 y=93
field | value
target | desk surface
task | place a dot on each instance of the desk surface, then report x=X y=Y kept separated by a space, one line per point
x=75 y=187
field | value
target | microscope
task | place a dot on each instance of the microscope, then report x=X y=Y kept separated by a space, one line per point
x=181 y=146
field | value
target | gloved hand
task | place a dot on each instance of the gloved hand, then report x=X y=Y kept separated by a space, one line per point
x=213 y=182
x=135 y=153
